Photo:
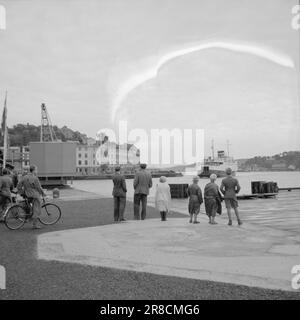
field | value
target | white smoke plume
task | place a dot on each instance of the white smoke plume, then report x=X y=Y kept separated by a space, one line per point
x=150 y=73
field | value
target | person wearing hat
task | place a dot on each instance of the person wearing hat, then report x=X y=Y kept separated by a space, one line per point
x=212 y=198
x=195 y=200
x=230 y=187
x=163 y=198
x=142 y=183
x=30 y=186
x=119 y=194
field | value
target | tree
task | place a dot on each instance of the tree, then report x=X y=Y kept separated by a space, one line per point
x=22 y=134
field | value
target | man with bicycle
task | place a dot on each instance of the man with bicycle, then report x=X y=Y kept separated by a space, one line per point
x=30 y=186
x=6 y=186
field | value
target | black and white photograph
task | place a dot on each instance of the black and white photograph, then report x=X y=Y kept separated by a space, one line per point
x=149 y=152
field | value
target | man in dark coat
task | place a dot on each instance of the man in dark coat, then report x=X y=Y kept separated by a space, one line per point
x=141 y=184
x=119 y=194
x=30 y=186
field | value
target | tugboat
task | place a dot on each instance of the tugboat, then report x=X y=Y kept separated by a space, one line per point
x=218 y=165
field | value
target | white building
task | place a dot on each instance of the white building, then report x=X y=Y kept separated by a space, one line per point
x=96 y=159
x=25 y=158
x=18 y=157
x=86 y=163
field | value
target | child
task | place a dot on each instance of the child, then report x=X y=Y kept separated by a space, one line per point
x=195 y=199
x=163 y=198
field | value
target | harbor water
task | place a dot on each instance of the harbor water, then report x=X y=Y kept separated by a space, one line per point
x=283 y=179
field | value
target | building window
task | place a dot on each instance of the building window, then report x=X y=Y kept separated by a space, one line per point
x=85 y=162
x=79 y=155
x=79 y=162
x=86 y=155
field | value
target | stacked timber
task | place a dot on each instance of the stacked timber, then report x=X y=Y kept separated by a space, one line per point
x=179 y=191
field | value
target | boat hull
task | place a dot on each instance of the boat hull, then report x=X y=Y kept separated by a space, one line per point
x=218 y=173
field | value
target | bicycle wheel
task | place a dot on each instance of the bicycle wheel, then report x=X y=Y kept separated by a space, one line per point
x=15 y=217
x=50 y=214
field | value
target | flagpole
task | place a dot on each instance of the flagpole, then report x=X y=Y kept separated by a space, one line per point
x=5 y=134
x=5 y=148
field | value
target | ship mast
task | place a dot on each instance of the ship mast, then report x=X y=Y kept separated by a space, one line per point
x=4 y=132
x=228 y=145
x=212 y=149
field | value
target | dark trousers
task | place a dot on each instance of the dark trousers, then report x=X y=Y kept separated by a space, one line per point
x=36 y=206
x=138 y=198
x=119 y=208
x=4 y=201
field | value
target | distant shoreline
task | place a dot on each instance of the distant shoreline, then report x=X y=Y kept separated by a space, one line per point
x=270 y=170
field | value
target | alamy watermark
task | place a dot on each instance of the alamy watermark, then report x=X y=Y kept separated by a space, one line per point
x=296 y=17
x=296 y=279
x=2 y=17
x=154 y=147
x=2 y=278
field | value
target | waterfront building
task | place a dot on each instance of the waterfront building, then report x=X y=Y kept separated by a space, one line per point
x=14 y=157
x=279 y=165
x=95 y=159
x=25 y=158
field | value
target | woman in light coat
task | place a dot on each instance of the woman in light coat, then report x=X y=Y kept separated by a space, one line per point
x=163 y=198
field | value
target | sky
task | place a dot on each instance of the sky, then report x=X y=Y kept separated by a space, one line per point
x=77 y=57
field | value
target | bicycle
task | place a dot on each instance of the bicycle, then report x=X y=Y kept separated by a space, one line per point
x=18 y=213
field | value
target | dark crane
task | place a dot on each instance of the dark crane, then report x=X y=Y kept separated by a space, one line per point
x=47 y=132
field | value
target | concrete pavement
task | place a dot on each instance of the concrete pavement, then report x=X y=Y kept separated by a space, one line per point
x=251 y=255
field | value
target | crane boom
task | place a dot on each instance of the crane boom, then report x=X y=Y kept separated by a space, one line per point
x=47 y=132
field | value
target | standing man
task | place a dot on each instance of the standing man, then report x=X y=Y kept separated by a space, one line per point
x=230 y=187
x=141 y=184
x=13 y=175
x=6 y=185
x=30 y=186
x=119 y=194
